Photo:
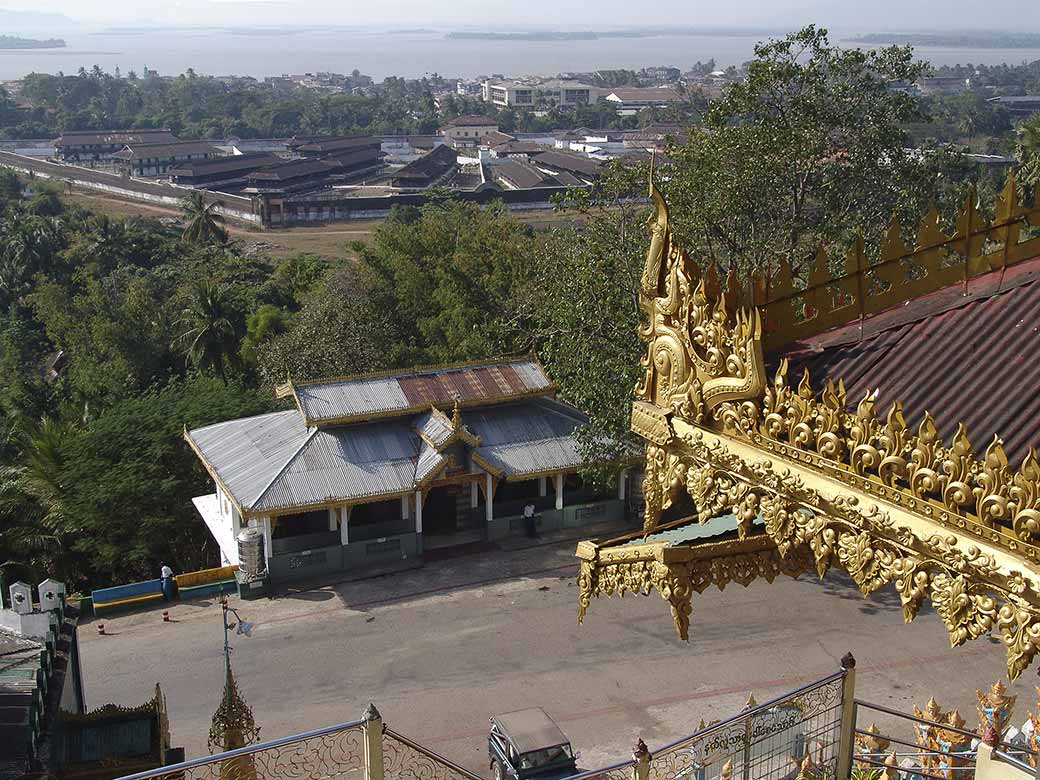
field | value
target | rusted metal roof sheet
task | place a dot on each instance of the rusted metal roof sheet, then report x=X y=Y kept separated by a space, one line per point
x=973 y=359
x=367 y=397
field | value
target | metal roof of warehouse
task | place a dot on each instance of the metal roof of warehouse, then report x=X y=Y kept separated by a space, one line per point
x=283 y=462
x=962 y=354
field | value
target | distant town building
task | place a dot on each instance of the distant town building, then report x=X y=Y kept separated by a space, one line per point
x=942 y=85
x=556 y=92
x=467 y=130
x=290 y=176
x=356 y=155
x=570 y=169
x=428 y=170
x=372 y=469
x=227 y=174
x=637 y=98
x=94 y=146
x=1018 y=104
x=152 y=159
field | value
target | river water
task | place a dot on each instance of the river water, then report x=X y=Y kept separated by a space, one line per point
x=412 y=54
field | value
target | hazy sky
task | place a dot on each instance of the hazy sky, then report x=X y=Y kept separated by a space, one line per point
x=880 y=15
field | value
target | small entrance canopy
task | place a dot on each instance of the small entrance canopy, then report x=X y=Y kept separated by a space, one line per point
x=530 y=729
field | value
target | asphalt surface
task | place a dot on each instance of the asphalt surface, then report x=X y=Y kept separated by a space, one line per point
x=441 y=648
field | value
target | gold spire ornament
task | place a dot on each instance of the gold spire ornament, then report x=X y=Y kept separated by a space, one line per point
x=233 y=725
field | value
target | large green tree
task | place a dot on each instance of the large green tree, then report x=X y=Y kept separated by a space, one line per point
x=808 y=149
x=447 y=274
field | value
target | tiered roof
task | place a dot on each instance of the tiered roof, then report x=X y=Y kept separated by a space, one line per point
x=388 y=434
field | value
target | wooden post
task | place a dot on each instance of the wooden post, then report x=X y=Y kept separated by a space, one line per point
x=559 y=491
x=543 y=487
x=621 y=484
x=373 y=738
x=848 y=718
x=418 y=511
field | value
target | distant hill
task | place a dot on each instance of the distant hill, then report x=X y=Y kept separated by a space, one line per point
x=11 y=42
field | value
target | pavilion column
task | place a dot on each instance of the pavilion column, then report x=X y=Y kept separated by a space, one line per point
x=559 y=491
x=264 y=524
x=543 y=486
x=489 y=498
x=622 y=479
x=474 y=495
x=344 y=525
x=333 y=518
x=418 y=511
x=404 y=507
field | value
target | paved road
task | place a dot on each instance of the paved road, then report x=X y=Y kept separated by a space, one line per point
x=442 y=648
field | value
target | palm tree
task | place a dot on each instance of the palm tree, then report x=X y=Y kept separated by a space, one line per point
x=203 y=224
x=32 y=497
x=210 y=338
x=1027 y=147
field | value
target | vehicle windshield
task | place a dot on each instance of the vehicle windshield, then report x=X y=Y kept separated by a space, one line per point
x=539 y=758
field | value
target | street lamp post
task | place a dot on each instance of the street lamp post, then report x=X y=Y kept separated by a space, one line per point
x=233 y=724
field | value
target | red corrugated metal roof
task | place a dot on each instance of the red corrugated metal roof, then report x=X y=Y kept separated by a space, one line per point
x=971 y=358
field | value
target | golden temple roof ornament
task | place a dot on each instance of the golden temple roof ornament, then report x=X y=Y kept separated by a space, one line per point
x=995 y=708
x=816 y=480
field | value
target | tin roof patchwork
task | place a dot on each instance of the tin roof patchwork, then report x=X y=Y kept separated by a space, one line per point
x=356 y=398
x=394 y=439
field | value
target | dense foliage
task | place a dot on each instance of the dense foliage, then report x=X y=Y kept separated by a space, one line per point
x=116 y=334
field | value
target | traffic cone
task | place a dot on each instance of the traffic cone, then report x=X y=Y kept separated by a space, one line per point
x=166 y=616
x=101 y=629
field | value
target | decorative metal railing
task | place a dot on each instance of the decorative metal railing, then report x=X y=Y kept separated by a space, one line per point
x=912 y=746
x=408 y=760
x=325 y=754
x=798 y=732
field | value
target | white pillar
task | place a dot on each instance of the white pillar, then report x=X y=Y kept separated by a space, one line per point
x=489 y=494
x=418 y=511
x=404 y=507
x=474 y=495
x=622 y=477
x=344 y=523
x=332 y=518
x=543 y=486
x=559 y=491
x=264 y=524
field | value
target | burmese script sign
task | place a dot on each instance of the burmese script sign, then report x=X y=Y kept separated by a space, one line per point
x=759 y=745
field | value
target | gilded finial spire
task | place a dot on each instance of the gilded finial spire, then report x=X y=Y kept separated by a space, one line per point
x=233 y=725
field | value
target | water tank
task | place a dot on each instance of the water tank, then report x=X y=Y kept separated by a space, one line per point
x=251 y=560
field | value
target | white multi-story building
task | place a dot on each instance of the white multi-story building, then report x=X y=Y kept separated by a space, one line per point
x=524 y=94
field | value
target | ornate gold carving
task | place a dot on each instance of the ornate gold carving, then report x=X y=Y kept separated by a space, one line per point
x=995 y=708
x=832 y=481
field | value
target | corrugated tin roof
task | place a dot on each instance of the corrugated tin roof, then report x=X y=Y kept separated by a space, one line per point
x=974 y=360
x=248 y=453
x=274 y=463
x=340 y=464
x=435 y=427
x=341 y=400
x=529 y=438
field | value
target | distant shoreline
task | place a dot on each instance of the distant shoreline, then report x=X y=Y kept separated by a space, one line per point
x=12 y=43
x=542 y=36
x=965 y=40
